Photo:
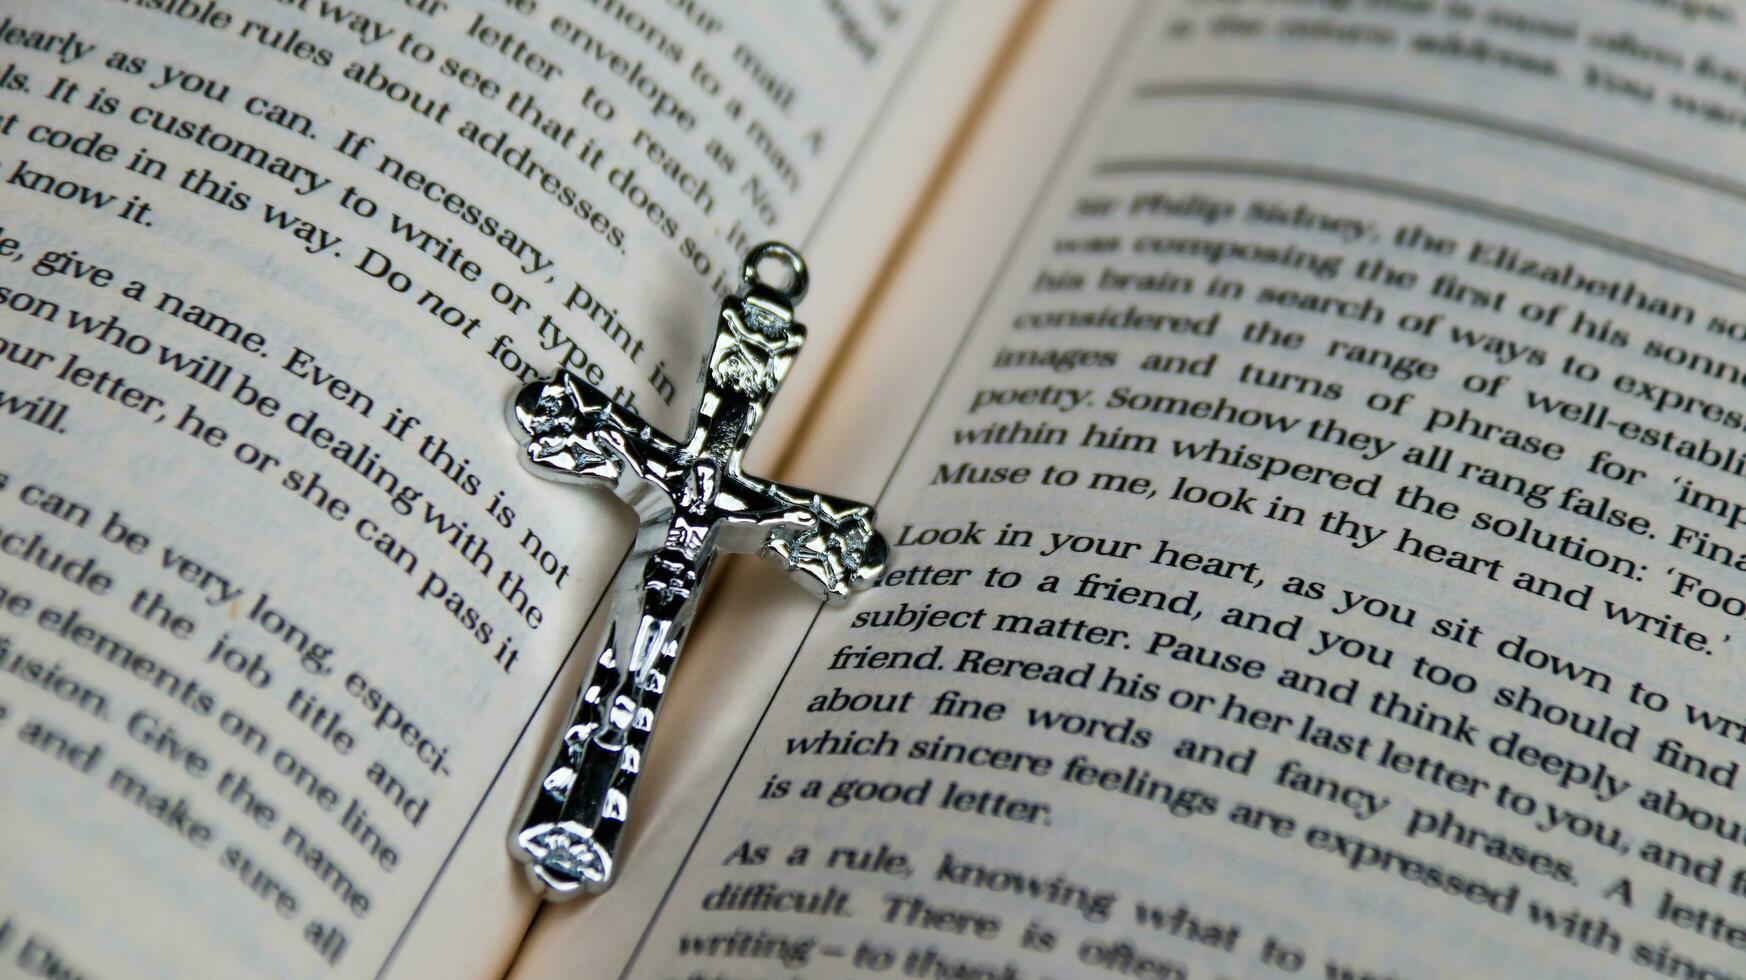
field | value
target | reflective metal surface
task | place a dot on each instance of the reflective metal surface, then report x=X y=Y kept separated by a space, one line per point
x=692 y=501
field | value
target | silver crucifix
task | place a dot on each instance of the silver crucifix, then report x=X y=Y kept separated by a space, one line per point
x=692 y=501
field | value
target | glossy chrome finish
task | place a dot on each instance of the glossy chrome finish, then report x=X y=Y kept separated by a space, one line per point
x=692 y=501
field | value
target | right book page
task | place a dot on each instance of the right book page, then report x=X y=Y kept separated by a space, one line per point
x=1317 y=511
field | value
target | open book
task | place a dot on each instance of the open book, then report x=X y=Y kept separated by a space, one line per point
x=1310 y=436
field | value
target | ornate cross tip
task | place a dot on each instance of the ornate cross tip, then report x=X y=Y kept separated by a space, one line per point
x=692 y=501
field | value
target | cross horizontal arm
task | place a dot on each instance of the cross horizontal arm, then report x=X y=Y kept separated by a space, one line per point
x=574 y=432
x=826 y=544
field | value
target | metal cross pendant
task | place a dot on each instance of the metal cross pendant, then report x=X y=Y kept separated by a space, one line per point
x=692 y=501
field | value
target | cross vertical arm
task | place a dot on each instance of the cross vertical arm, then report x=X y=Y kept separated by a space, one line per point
x=756 y=343
x=575 y=817
x=692 y=500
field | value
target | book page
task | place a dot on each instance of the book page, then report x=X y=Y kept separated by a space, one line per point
x=279 y=604
x=1317 y=547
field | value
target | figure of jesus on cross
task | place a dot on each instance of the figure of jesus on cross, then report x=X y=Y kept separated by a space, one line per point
x=691 y=501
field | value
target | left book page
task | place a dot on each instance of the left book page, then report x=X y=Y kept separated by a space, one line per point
x=276 y=602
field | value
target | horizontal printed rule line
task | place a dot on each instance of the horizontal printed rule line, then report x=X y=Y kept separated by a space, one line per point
x=1448 y=200
x=1449 y=115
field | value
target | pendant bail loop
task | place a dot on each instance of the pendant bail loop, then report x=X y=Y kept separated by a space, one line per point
x=798 y=281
